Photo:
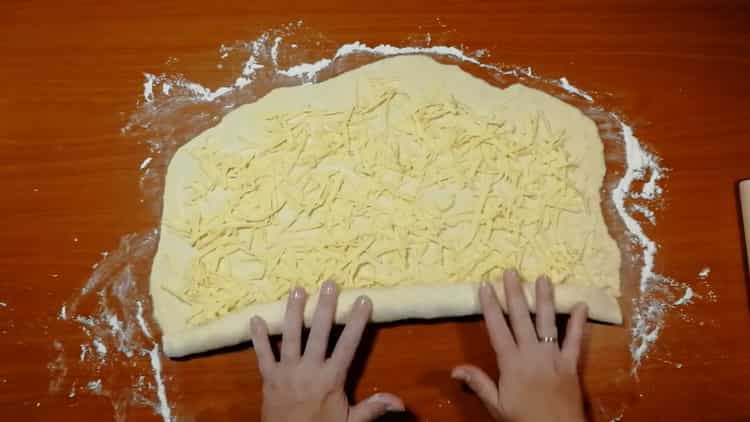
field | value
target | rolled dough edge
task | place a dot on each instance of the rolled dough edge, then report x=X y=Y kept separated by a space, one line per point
x=424 y=301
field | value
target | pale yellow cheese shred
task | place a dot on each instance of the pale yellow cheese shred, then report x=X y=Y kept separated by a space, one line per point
x=394 y=190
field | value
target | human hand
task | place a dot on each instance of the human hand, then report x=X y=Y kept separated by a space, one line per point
x=538 y=379
x=308 y=387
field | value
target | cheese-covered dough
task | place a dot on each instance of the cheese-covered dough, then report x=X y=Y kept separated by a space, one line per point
x=405 y=179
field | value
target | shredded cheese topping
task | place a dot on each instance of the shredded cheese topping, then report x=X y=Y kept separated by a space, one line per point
x=394 y=190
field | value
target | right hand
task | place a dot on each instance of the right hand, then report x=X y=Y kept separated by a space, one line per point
x=538 y=379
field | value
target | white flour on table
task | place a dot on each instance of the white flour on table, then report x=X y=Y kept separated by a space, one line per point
x=111 y=309
x=118 y=352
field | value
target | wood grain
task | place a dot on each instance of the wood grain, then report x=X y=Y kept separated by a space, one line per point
x=72 y=72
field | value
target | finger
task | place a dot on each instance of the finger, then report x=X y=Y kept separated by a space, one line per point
x=321 y=323
x=481 y=384
x=375 y=406
x=263 y=352
x=545 y=310
x=292 y=330
x=518 y=309
x=500 y=336
x=349 y=341
x=574 y=334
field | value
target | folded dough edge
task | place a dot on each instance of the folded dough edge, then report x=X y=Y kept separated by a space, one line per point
x=424 y=301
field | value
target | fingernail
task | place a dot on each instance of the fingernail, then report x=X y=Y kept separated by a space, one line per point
x=298 y=293
x=385 y=401
x=362 y=301
x=545 y=282
x=255 y=323
x=394 y=408
x=328 y=288
x=460 y=375
x=484 y=286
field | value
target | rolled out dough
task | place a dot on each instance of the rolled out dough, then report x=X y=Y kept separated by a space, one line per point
x=594 y=279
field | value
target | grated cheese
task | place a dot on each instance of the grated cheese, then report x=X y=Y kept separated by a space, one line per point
x=392 y=190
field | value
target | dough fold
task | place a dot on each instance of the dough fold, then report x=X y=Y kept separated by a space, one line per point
x=425 y=301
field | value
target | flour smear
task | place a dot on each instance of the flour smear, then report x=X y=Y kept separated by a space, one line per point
x=118 y=353
x=121 y=353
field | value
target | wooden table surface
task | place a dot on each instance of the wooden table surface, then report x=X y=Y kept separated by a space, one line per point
x=72 y=74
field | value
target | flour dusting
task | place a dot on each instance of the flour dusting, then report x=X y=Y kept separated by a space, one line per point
x=649 y=310
x=564 y=84
x=95 y=386
x=117 y=340
x=147 y=160
x=639 y=162
x=646 y=212
x=658 y=294
x=141 y=320
x=275 y=51
x=161 y=393
x=100 y=348
x=686 y=298
x=85 y=350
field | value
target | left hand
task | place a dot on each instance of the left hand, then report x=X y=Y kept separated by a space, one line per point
x=308 y=387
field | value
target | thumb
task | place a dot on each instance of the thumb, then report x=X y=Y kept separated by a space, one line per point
x=374 y=407
x=481 y=384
